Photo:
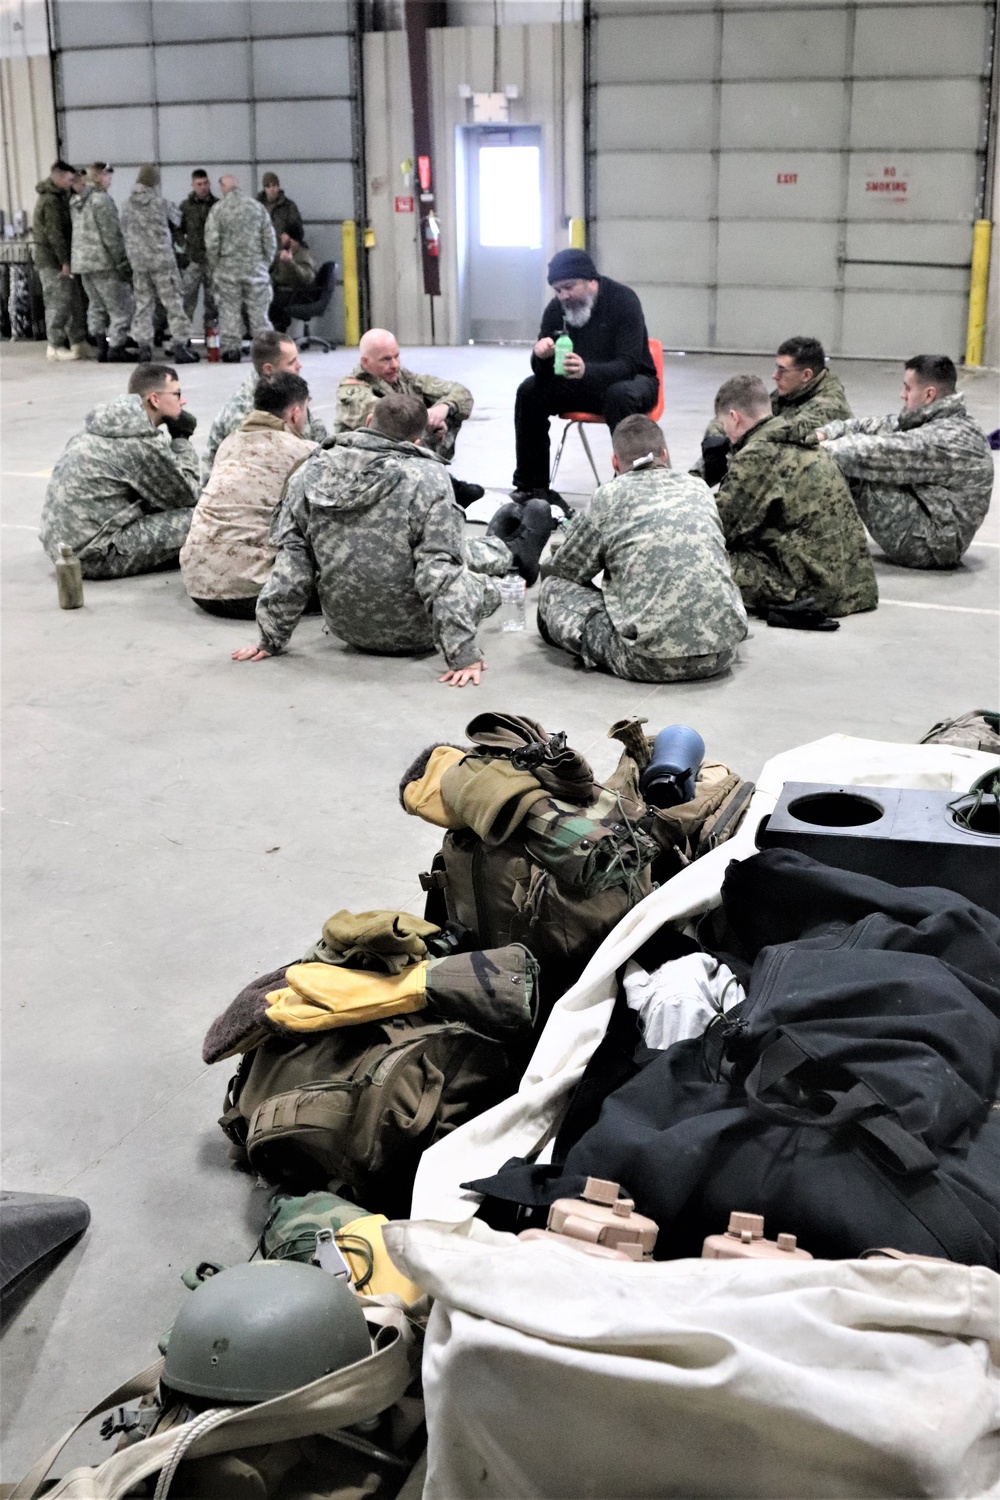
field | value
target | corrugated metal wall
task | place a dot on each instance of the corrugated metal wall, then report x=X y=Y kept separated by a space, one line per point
x=232 y=86
x=758 y=172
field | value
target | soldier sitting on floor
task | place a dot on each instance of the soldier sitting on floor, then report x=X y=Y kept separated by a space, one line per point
x=921 y=480
x=667 y=610
x=806 y=393
x=380 y=373
x=271 y=353
x=122 y=493
x=227 y=557
x=371 y=522
x=790 y=524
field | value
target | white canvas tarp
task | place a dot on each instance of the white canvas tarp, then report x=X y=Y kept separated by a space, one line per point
x=550 y=1374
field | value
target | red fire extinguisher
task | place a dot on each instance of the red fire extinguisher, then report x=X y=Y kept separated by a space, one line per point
x=432 y=234
x=212 y=345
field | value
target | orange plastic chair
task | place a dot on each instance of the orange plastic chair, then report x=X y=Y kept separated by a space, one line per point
x=580 y=419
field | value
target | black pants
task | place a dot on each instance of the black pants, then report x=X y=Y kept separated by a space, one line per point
x=539 y=399
x=284 y=298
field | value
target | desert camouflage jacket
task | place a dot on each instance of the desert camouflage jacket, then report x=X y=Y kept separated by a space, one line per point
x=50 y=227
x=667 y=583
x=98 y=244
x=227 y=554
x=147 y=218
x=373 y=524
x=789 y=518
x=937 y=455
x=237 y=408
x=358 y=392
x=119 y=468
x=240 y=242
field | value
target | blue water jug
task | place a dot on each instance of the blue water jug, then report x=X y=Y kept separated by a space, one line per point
x=669 y=779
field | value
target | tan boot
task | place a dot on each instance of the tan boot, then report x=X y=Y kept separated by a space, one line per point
x=64 y=354
x=52 y=353
x=82 y=351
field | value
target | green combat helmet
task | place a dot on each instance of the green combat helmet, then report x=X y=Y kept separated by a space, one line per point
x=255 y=1331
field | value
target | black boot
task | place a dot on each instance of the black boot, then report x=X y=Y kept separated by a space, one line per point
x=121 y=354
x=144 y=354
x=465 y=493
x=553 y=497
x=528 y=542
x=101 y=345
x=182 y=356
x=231 y=356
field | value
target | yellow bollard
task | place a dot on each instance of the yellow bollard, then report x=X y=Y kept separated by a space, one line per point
x=978 y=283
x=352 y=300
x=577 y=234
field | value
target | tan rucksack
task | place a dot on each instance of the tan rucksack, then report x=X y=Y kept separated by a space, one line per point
x=353 y=1109
x=690 y=829
x=976 y=730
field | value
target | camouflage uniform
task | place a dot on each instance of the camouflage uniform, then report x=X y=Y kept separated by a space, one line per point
x=358 y=393
x=921 y=481
x=823 y=399
x=122 y=493
x=146 y=221
x=239 y=406
x=791 y=526
x=65 y=322
x=373 y=524
x=668 y=609
x=195 y=277
x=99 y=259
x=227 y=554
x=240 y=245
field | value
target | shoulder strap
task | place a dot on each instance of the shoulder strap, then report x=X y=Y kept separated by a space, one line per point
x=347 y=1396
x=137 y=1385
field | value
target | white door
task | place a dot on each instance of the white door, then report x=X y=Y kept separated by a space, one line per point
x=501 y=270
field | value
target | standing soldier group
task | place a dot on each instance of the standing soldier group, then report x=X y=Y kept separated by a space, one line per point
x=129 y=267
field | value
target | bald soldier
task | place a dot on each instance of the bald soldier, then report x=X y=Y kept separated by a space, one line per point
x=379 y=372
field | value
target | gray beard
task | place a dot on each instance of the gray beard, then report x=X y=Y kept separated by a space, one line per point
x=578 y=317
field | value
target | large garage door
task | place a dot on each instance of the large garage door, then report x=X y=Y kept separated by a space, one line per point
x=755 y=173
x=230 y=85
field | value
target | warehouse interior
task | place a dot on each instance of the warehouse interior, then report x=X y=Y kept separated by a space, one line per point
x=177 y=823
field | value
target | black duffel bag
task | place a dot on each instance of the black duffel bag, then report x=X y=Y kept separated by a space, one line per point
x=848 y=1099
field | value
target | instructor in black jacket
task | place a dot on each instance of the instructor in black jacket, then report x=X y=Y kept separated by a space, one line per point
x=610 y=371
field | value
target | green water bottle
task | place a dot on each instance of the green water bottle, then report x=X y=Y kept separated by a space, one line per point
x=564 y=346
x=69 y=579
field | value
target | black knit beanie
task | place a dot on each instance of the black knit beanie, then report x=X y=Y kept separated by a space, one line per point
x=571 y=265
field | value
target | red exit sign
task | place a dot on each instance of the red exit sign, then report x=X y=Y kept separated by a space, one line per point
x=404 y=205
x=788 y=179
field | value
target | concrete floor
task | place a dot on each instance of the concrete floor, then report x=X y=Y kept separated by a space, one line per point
x=177 y=823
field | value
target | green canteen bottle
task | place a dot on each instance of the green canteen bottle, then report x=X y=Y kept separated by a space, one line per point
x=564 y=346
x=69 y=578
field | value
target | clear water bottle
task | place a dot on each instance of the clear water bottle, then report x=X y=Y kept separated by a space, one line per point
x=512 y=602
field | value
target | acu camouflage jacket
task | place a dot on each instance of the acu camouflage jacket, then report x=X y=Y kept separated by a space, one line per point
x=119 y=468
x=373 y=524
x=98 y=243
x=668 y=587
x=938 y=458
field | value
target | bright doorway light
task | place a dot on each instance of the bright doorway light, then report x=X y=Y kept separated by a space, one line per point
x=510 y=197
